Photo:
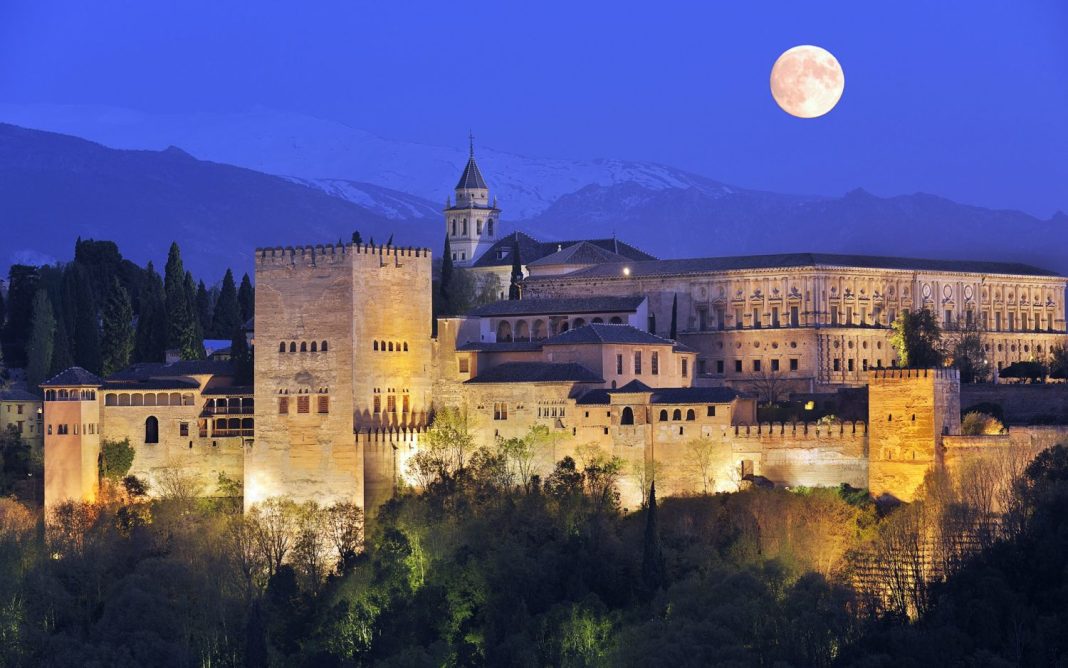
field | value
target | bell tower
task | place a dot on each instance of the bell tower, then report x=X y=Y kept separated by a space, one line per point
x=472 y=222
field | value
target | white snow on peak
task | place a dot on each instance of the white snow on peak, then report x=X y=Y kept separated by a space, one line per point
x=343 y=160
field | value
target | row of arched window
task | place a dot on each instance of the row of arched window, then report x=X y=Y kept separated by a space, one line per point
x=148 y=399
x=390 y=346
x=539 y=329
x=70 y=395
x=303 y=347
x=677 y=415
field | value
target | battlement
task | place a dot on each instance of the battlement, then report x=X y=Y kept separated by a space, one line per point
x=396 y=435
x=329 y=254
x=802 y=430
x=899 y=374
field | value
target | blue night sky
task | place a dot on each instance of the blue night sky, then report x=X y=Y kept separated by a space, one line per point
x=963 y=99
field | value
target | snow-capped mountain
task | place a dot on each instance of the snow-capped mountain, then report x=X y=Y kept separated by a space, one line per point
x=342 y=160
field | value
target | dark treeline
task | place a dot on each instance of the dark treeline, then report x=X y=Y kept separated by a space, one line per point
x=102 y=312
x=492 y=565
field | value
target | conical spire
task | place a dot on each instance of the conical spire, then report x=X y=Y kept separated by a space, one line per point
x=472 y=177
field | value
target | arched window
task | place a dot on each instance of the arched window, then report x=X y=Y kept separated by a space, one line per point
x=579 y=322
x=292 y=346
x=627 y=417
x=315 y=346
x=504 y=331
x=598 y=321
x=137 y=399
x=376 y=344
x=676 y=415
x=690 y=415
x=405 y=346
x=522 y=331
x=110 y=399
x=616 y=320
x=124 y=400
x=390 y=346
x=489 y=226
x=322 y=348
x=151 y=429
x=150 y=399
x=303 y=346
x=454 y=227
x=282 y=347
x=663 y=415
x=538 y=333
x=465 y=226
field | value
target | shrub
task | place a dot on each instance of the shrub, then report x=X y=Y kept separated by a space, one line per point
x=981 y=424
x=988 y=407
x=116 y=458
x=1032 y=372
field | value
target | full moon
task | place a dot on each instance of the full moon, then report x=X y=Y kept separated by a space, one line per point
x=807 y=81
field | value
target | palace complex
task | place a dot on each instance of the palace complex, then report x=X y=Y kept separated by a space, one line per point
x=611 y=350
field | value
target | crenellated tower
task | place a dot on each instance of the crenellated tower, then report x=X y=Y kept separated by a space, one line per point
x=472 y=221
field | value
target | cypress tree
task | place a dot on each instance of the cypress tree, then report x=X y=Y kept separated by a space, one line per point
x=356 y=238
x=674 y=317
x=179 y=312
x=653 y=568
x=241 y=358
x=246 y=298
x=514 y=291
x=198 y=331
x=445 y=281
x=227 y=316
x=151 y=337
x=3 y=310
x=22 y=288
x=61 y=346
x=118 y=339
x=39 y=350
x=205 y=308
x=86 y=324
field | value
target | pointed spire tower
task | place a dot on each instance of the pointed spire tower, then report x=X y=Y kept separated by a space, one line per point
x=471 y=224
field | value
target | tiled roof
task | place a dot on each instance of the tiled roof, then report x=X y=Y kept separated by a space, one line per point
x=790 y=260
x=500 y=347
x=145 y=370
x=76 y=376
x=634 y=386
x=581 y=253
x=559 y=305
x=537 y=372
x=151 y=384
x=602 y=333
x=665 y=395
x=17 y=394
x=228 y=390
x=532 y=250
x=472 y=176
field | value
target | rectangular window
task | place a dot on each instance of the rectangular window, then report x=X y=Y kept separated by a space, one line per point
x=685 y=367
x=756 y=366
x=62 y=430
x=775 y=365
x=968 y=318
x=303 y=404
x=19 y=410
x=876 y=313
x=719 y=366
x=711 y=411
x=756 y=318
x=774 y=316
x=795 y=320
x=984 y=319
x=737 y=366
x=997 y=322
x=947 y=320
x=183 y=428
x=864 y=365
x=721 y=318
x=702 y=366
x=739 y=319
x=500 y=411
x=324 y=403
x=1023 y=323
x=702 y=319
x=834 y=315
x=891 y=316
x=837 y=364
x=465 y=365
x=849 y=362
x=391 y=403
x=654 y=364
x=849 y=315
x=377 y=404
x=1012 y=322
x=793 y=364
x=637 y=362
x=283 y=405
x=863 y=316
x=406 y=406
x=21 y=428
x=619 y=364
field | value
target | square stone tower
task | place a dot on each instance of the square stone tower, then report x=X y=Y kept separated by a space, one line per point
x=342 y=345
x=72 y=437
x=909 y=411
